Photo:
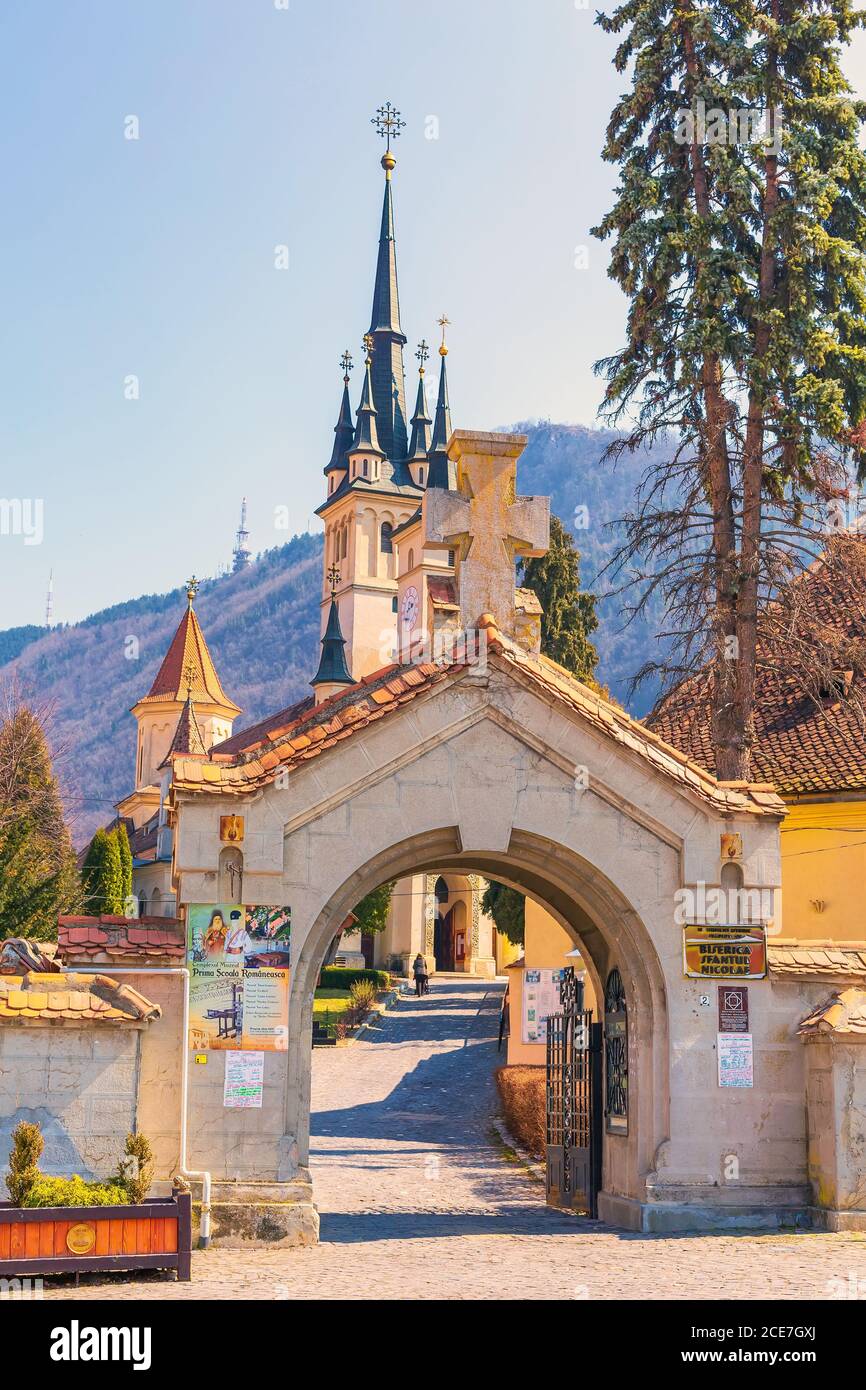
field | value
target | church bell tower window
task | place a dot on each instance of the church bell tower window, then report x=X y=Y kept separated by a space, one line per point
x=386 y=544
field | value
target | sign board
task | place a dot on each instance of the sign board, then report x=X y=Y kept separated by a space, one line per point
x=239 y=960
x=244 y=1080
x=736 y=1060
x=540 y=999
x=735 y=952
x=733 y=1009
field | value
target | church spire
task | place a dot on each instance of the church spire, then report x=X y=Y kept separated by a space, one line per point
x=344 y=430
x=419 y=445
x=389 y=389
x=366 y=438
x=333 y=671
x=442 y=471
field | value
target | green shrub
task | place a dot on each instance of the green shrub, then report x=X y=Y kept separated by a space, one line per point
x=337 y=977
x=363 y=996
x=74 y=1192
x=27 y=1146
x=135 y=1169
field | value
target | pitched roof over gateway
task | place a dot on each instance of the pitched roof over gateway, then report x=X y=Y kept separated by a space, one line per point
x=258 y=761
x=802 y=744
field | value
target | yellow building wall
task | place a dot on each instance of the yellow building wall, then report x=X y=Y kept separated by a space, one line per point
x=547 y=947
x=824 y=871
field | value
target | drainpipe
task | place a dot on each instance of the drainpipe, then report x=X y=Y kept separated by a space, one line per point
x=204 y=1229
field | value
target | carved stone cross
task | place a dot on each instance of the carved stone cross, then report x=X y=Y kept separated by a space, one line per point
x=486 y=524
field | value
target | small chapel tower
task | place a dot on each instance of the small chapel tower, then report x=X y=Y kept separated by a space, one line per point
x=185 y=702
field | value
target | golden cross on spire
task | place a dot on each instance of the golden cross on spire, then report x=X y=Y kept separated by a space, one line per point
x=388 y=123
x=191 y=589
x=422 y=354
x=368 y=347
x=333 y=577
x=443 y=324
x=346 y=364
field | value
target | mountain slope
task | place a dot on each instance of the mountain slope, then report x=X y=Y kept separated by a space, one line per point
x=262 y=629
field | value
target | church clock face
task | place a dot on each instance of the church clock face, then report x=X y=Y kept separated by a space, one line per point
x=409 y=610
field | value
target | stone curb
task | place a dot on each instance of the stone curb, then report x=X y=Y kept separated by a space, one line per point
x=536 y=1168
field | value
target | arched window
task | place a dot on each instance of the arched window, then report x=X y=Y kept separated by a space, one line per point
x=366 y=468
x=344 y=542
x=156 y=903
x=420 y=477
x=731 y=879
x=231 y=875
x=386 y=543
x=410 y=560
x=615 y=1055
x=142 y=905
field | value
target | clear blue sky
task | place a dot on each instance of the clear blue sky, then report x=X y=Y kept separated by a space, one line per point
x=155 y=257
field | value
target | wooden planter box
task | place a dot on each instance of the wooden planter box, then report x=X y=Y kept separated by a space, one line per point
x=156 y=1234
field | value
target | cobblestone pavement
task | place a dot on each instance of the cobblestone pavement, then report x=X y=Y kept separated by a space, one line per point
x=419 y=1199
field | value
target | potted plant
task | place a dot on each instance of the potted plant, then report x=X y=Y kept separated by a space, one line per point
x=67 y=1225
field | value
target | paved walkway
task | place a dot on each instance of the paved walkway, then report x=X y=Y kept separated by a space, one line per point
x=418 y=1199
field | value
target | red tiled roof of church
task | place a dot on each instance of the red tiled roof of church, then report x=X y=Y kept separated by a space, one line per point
x=188 y=669
x=383 y=692
x=802 y=743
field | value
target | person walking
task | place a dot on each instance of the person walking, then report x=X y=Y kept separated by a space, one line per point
x=419 y=970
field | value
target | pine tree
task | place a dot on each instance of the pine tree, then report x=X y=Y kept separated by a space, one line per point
x=102 y=876
x=738 y=232
x=38 y=878
x=125 y=866
x=568 y=616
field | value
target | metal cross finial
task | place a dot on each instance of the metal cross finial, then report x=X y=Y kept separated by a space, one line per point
x=388 y=123
x=368 y=345
x=443 y=324
x=422 y=354
x=191 y=589
x=333 y=577
x=346 y=364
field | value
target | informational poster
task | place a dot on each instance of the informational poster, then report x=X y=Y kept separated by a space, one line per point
x=244 y=1080
x=736 y=1059
x=239 y=961
x=540 y=998
x=736 y=952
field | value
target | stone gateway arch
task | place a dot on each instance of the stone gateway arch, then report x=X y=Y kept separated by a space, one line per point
x=493 y=760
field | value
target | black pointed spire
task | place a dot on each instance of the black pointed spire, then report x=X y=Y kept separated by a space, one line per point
x=389 y=388
x=366 y=436
x=419 y=444
x=333 y=669
x=344 y=430
x=442 y=471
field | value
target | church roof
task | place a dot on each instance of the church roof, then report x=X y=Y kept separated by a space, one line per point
x=845 y=1013
x=382 y=694
x=188 y=736
x=188 y=669
x=803 y=744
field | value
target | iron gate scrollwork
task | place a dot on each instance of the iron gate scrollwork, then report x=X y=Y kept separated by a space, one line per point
x=615 y=1055
x=573 y=1095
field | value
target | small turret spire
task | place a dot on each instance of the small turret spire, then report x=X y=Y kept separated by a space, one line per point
x=344 y=430
x=419 y=445
x=366 y=438
x=442 y=471
x=333 y=669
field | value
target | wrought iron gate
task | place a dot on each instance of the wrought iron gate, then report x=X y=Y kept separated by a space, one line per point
x=574 y=1100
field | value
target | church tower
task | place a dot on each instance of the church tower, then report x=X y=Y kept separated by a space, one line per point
x=376 y=474
x=186 y=704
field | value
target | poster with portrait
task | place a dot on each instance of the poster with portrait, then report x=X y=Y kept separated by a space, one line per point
x=239 y=960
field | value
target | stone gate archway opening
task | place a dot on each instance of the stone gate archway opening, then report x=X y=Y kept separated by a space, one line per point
x=604 y=927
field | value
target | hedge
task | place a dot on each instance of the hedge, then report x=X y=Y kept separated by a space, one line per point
x=337 y=977
x=522 y=1091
